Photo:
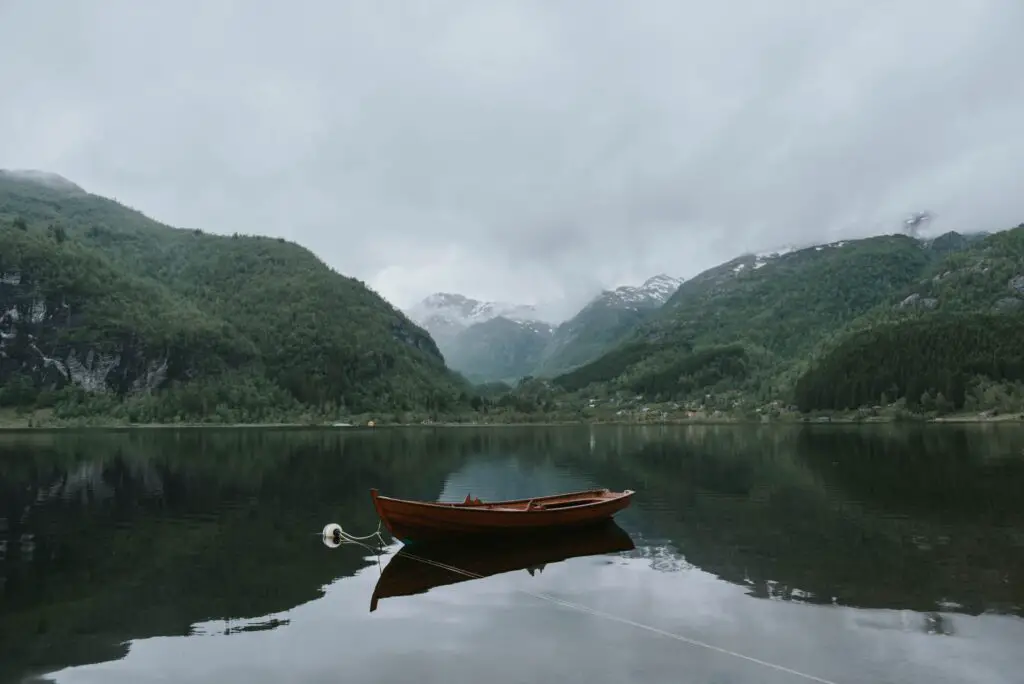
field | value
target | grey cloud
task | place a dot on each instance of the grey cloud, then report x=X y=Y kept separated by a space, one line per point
x=525 y=150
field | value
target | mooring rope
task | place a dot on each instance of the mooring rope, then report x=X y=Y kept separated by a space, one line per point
x=334 y=536
x=339 y=534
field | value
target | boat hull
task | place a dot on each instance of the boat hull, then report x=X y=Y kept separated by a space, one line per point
x=417 y=521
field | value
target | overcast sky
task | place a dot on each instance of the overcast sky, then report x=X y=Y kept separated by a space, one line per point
x=525 y=150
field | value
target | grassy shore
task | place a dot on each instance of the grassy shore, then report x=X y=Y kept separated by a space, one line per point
x=43 y=420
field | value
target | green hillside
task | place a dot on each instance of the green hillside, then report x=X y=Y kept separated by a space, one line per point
x=927 y=361
x=777 y=310
x=941 y=342
x=597 y=328
x=606 y=321
x=111 y=307
x=753 y=328
x=988 y=275
x=786 y=305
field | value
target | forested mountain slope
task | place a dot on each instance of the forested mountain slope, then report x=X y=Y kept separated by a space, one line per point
x=604 y=322
x=940 y=344
x=754 y=326
x=750 y=316
x=101 y=303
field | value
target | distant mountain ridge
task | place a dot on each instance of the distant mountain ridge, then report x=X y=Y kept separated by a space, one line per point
x=489 y=341
x=499 y=349
x=447 y=315
x=465 y=311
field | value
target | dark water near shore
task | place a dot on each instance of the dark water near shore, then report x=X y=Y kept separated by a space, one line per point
x=852 y=554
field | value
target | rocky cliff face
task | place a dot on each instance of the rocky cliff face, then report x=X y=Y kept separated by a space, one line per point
x=39 y=339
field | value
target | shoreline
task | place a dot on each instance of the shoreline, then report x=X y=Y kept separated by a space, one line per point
x=25 y=426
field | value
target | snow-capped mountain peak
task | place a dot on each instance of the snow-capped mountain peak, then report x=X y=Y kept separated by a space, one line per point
x=655 y=291
x=661 y=286
x=445 y=315
x=462 y=311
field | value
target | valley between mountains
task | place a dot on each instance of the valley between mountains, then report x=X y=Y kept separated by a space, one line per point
x=110 y=317
x=494 y=341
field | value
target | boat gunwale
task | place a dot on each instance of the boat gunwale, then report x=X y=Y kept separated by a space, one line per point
x=501 y=506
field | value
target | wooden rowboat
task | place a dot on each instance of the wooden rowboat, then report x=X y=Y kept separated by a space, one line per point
x=417 y=571
x=420 y=521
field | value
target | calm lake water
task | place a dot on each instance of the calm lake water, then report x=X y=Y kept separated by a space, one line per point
x=750 y=555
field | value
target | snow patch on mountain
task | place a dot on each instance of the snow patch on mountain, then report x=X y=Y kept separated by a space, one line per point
x=655 y=291
x=462 y=311
x=775 y=253
x=760 y=259
x=446 y=315
x=537 y=327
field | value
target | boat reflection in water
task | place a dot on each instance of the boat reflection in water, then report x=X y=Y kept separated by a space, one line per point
x=416 y=570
